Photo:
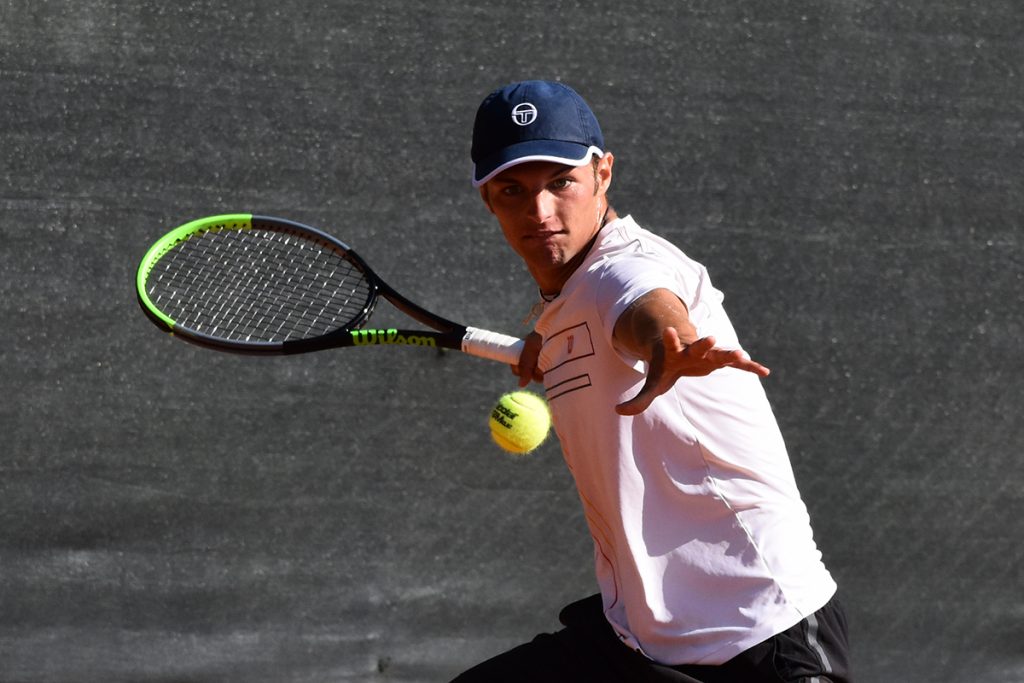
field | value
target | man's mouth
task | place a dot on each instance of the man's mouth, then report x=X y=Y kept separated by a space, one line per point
x=544 y=234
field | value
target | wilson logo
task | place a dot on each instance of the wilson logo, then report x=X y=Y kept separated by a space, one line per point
x=390 y=336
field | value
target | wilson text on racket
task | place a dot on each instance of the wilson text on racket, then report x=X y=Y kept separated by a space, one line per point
x=389 y=336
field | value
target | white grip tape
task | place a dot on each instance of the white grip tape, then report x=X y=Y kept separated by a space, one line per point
x=492 y=345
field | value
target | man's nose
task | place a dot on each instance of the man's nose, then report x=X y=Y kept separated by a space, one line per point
x=541 y=206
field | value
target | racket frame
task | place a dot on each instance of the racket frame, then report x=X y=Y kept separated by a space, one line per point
x=445 y=333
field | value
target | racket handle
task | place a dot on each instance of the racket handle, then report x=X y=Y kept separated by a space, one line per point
x=492 y=345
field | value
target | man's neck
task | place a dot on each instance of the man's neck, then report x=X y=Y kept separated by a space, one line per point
x=550 y=284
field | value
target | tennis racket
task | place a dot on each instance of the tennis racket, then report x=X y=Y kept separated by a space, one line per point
x=263 y=285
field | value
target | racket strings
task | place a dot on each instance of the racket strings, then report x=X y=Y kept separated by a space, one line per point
x=259 y=285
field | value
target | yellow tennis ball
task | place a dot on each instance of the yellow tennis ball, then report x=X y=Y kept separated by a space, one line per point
x=520 y=421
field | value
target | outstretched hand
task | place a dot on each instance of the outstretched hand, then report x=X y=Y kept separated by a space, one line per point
x=672 y=359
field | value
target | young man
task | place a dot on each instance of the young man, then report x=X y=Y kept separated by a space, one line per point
x=706 y=563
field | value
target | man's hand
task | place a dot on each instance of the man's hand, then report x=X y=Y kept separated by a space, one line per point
x=527 y=369
x=671 y=359
x=657 y=328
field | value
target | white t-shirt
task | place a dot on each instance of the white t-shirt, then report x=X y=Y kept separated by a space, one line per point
x=703 y=547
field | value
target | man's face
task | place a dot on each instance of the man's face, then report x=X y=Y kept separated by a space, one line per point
x=548 y=213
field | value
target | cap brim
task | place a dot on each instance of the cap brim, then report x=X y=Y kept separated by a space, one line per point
x=568 y=153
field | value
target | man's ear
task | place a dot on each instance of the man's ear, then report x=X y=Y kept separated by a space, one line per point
x=604 y=171
x=486 y=197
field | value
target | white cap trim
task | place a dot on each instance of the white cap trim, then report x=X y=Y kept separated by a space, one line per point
x=591 y=151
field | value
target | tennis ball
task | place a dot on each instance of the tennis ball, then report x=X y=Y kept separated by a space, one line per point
x=520 y=421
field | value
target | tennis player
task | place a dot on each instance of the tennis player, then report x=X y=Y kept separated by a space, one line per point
x=704 y=555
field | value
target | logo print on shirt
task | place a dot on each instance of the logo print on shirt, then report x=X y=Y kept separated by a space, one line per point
x=560 y=356
x=524 y=114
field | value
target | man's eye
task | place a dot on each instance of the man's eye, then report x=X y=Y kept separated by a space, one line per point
x=511 y=190
x=561 y=183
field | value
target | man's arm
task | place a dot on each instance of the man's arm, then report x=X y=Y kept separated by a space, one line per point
x=657 y=328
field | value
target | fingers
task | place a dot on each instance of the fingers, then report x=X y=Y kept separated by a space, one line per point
x=701 y=347
x=670 y=347
x=650 y=391
x=751 y=366
x=702 y=357
x=674 y=360
x=527 y=369
x=526 y=377
x=635 y=405
x=720 y=358
x=671 y=341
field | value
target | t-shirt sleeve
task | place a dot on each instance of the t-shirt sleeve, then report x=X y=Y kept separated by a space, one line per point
x=627 y=278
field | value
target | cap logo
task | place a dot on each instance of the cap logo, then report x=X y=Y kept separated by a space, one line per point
x=524 y=114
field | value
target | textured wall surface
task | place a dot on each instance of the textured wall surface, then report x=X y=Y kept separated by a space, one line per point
x=849 y=172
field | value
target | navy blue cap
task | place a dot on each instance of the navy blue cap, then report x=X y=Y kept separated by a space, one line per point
x=533 y=121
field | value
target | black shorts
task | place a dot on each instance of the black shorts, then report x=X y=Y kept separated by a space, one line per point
x=587 y=649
